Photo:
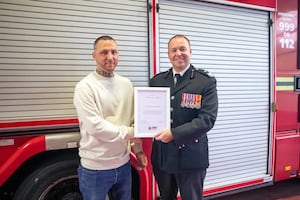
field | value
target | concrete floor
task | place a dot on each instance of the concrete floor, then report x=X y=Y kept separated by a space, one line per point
x=284 y=190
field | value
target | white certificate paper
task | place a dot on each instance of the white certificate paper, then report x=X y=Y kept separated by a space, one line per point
x=151 y=110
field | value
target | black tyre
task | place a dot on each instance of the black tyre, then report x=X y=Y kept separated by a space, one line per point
x=52 y=181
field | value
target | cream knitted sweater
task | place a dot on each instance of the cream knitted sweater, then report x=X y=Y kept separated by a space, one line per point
x=105 y=112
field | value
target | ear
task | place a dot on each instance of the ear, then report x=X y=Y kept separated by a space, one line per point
x=93 y=54
x=169 y=56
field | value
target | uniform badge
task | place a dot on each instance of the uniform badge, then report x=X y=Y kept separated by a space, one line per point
x=191 y=100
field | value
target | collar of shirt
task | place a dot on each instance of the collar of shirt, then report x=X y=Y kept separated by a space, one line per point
x=182 y=72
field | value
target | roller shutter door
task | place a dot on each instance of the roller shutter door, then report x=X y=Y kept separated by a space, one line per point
x=46 y=46
x=233 y=44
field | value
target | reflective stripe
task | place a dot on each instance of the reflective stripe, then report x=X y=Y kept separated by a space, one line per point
x=285 y=84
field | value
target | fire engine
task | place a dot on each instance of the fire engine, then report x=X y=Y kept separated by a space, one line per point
x=250 y=46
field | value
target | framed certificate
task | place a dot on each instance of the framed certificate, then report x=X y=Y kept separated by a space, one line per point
x=151 y=110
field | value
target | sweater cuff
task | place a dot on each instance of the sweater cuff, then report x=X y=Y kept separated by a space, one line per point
x=126 y=132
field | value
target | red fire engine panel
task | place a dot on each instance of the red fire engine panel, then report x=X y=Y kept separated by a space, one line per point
x=287 y=155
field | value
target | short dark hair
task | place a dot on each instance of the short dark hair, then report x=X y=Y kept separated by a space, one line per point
x=183 y=36
x=104 y=37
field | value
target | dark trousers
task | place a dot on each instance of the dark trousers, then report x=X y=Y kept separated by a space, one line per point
x=190 y=184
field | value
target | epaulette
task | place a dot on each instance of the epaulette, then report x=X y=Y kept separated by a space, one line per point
x=204 y=72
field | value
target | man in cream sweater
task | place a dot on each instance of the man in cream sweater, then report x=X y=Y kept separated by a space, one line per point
x=104 y=105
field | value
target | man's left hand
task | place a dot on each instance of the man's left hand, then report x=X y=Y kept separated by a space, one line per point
x=142 y=161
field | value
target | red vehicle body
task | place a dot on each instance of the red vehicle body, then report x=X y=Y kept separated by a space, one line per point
x=39 y=156
x=287 y=94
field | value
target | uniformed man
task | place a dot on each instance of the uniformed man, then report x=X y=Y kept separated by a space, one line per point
x=180 y=154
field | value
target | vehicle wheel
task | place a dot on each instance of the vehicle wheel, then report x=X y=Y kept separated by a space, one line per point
x=54 y=181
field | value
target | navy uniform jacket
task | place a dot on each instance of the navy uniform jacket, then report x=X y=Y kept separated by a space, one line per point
x=194 y=106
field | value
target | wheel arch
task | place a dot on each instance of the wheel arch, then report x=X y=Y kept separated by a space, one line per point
x=35 y=162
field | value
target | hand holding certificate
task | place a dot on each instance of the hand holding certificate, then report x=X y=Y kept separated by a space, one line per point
x=151 y=110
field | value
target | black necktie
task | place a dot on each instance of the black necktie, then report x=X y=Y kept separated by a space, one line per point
x=176 y=79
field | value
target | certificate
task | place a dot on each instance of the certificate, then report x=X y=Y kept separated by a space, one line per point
x=151 y=110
